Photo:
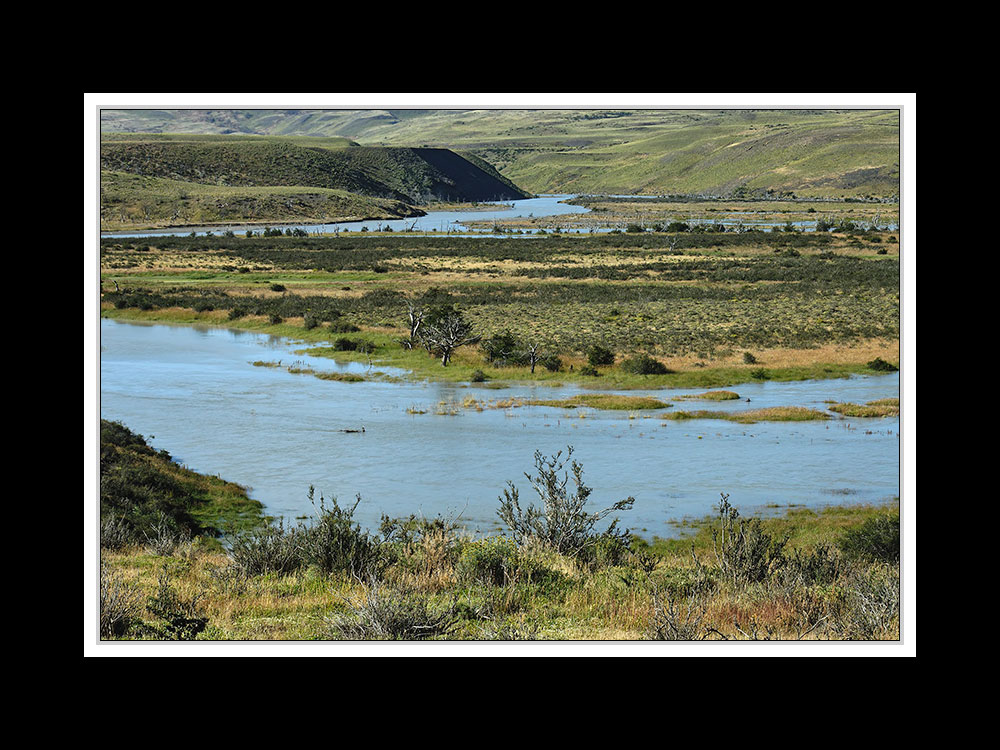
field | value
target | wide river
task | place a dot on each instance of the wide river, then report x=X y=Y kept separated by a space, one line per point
x=195 y=393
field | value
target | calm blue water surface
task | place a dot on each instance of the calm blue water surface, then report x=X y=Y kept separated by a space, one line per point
x=454 y=221
x=194 y=392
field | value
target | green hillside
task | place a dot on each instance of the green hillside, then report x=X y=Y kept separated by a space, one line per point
x=718 y=152
x=153 y=180
x=130 y=201
x=408 y=174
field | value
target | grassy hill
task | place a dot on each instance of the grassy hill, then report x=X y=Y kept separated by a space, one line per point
x=719 y=152
x=156 y=180
x=129 y=201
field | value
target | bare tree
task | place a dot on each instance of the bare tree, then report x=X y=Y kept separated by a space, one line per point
x=416 y=315
x=446 y=332
x=533 y=355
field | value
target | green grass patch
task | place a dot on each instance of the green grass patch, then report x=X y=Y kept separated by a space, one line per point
x=770 y=414
x=712 y=396
x=603 y=401
x=884 y=407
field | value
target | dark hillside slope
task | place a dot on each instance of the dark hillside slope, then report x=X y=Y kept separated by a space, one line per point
x=411 y=175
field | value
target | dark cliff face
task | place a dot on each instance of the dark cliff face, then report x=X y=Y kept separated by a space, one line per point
x=467 y=181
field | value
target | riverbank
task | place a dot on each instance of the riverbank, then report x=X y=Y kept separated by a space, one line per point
x=468 y=366
x=805 y=575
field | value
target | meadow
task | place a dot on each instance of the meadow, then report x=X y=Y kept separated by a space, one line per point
x=712 y=309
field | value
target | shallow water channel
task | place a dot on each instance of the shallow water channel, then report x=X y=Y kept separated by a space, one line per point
x=194 y=392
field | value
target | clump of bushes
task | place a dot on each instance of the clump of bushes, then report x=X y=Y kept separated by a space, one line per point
x=333 y=543
x=342 y=326
x=744 y=551
x=880 y=365
x=599 y=356
x=644 y=364
x=562 y=523
x=877 y=539
x=391 y=613
x=491 y=561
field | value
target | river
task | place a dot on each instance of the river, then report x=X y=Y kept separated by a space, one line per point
x=194 y=392
x=454 y=222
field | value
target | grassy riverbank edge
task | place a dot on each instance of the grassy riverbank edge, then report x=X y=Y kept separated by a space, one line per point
x=467 y=362
x=558 y=600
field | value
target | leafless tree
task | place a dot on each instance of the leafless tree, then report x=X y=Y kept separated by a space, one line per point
x=533 y=356
x=446 y=333
x=416 y=315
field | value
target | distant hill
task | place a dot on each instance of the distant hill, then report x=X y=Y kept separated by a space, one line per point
x=405 y=174
x=157 y=180
x=651 y=151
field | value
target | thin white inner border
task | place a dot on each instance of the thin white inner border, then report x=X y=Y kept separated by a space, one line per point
x=906 y=102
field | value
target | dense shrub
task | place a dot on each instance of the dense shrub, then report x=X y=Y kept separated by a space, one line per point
x=562 y=522
x=880 y=365
x=598 y=356
x=644 y=364
x=744 y=551
x=876 y=539
x=393 y=613
x=120 y=601
x=333 y=543
x=552 y=363
x=492 y=561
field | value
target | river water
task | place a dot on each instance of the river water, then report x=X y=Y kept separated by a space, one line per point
x=455 y=221
x=195 y=393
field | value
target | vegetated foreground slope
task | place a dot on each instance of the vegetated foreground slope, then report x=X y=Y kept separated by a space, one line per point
x=718 y=152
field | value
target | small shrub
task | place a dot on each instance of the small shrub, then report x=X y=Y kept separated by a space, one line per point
x=744 y=551
x=869 y=608
x=880 y=365
x=179 y=616
x=342 y=326
x=562 y=521
x=121 y=603
x=492 y=561
x=277 y=287
x=672 y=620
x=391 y=614
x=759 y=374
x=589 y=370
x=478 y=376
x=876 y=539
x=598 y=356
x=644 y=364
x=309 y=321
x=552 y=363
x=274 y=319
x=749 y=359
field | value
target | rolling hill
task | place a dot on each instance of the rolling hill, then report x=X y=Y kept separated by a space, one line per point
x=653 y=151
x=184 y=179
